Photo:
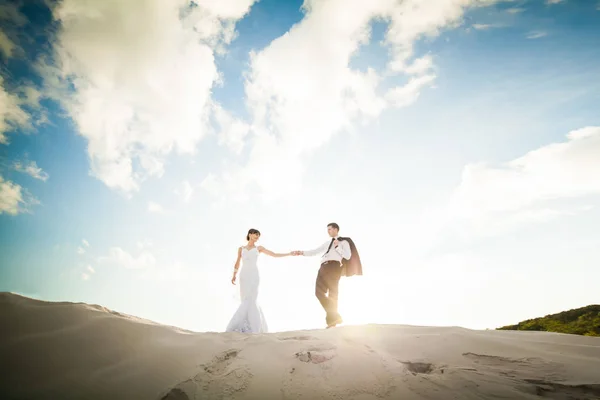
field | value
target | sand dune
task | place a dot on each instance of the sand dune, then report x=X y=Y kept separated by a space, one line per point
x=80 y=351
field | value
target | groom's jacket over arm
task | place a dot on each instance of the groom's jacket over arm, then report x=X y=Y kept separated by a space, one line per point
x=353 y=266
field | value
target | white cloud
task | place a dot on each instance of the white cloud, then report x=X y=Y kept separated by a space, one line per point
x=13 y=96
x=9 y=12
x=145 y=263
x=515 y=10
x=413 y=19
x=186 y=191
x=213 y=185
x=559 y=180
x=87 y=275
x=14 y=199
x=565 y=170
x=232 y=131
x=12 y=116
x=406 y=95
x=11 y=20
x=168 y=272
x=119 y=257
x=143 y=74
x=31 y=168
x=536 y=34
x=80 y=250
x=7 y=46
x=301 y=90
x=155 y=207
x=144 y=244
x=85 y=243
x=483 y=27
x=10 y=197
x=420 y=66
x=549 y=2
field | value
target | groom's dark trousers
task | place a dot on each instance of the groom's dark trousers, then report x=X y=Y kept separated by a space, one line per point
x=328 y=280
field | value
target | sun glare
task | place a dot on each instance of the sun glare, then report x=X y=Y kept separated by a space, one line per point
x=355 y=302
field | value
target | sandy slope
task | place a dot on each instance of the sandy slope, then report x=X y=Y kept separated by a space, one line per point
x=79 y=351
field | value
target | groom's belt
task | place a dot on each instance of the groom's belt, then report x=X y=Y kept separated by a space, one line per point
x=331 y=262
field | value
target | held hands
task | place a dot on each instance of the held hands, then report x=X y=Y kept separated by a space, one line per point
x=296 y=252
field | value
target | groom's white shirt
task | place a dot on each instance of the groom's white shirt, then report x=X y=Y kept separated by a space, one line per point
x=334 y=254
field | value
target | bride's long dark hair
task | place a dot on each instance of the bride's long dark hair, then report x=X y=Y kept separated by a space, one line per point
x=252 y=231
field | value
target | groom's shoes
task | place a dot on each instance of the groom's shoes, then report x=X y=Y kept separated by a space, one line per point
x=333 y=323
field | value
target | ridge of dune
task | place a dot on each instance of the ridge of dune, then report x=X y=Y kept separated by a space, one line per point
x=21 y=300
x=52 y=350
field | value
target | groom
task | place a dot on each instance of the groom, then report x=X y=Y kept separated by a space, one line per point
x=340 y=259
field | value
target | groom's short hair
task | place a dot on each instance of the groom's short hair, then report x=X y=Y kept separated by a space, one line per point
x=334 y=225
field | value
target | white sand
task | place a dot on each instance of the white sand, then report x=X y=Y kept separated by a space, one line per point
x=78 y=351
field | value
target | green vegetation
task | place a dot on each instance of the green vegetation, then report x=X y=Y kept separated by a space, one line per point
x=579 y=321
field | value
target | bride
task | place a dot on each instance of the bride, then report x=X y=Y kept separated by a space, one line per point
x=249 y=317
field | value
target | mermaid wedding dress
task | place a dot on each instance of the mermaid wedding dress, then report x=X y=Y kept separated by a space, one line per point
x=249 y=317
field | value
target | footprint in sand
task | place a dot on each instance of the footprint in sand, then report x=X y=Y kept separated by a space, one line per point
x=498 y=360
x=423 y=368
x=528 y=367
x=175 y=394
x=221 y=361
x=316 y=356
x=299 y=338
x=553 y=390
x=352 y=342
x=219 y=379
x=544 y=375
x=326 y=378
x=369 y=348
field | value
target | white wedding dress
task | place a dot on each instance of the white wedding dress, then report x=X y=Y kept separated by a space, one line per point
x=249 y=317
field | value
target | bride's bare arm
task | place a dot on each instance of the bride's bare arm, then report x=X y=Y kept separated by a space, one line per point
x=272 y=254
x=237 y=265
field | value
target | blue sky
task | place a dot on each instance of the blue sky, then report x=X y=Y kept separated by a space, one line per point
x=458 y=145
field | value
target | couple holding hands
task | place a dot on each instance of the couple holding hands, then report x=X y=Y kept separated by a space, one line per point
x=340 y=258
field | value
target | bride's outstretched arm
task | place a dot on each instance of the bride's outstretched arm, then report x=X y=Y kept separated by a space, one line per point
x=272 y=254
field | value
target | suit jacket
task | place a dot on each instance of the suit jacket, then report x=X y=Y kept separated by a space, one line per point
x=353 y=266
